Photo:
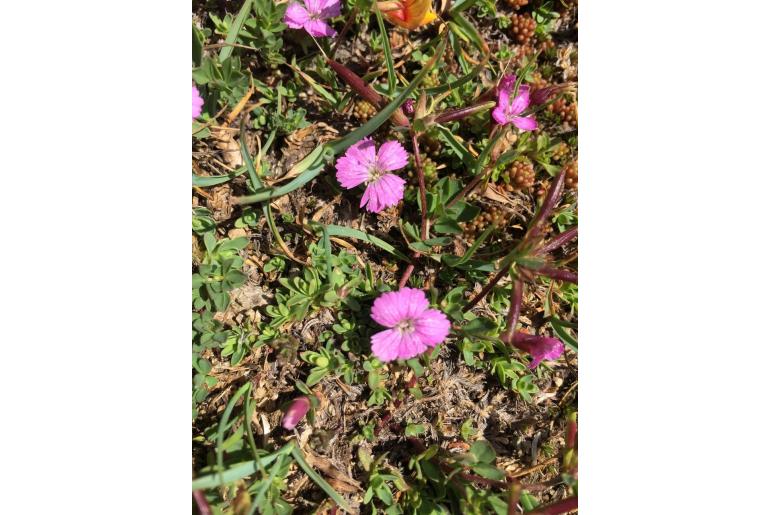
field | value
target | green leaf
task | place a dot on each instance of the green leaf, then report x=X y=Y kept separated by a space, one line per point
x=331 y=492
x=237 y=471
x=481 y=326
x=386 y=50
x=489 y=471
x=348 y=232
x=235 y=28
x=414 y=429
x=483 y=451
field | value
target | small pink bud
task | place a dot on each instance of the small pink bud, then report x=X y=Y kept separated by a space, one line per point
x=541 y=96
x=408 y=107
x=296 y=412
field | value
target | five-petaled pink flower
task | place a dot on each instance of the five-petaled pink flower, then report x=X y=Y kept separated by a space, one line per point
x=412 y=325
x=540 y=347
x=507 y=110
x=197 y=102
x=311 y=16
x=362 y=163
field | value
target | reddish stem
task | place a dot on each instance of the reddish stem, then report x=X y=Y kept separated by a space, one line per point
x=559 y=274
x=517 y=292
x=563 y=506
x=348 y=23
x=451 y=115
x=554 y=192
x=483 y=293
x=424 y=212
x=559 y=240
x=201 y=503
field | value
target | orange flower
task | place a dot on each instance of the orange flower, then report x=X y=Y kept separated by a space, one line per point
x=408 y=14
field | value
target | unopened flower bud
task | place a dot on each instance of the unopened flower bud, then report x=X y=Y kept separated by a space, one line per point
x=408 y=107
x=296 y=412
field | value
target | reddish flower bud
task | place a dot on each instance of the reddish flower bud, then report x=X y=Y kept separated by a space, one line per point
x=408 y=106
x=541 y=96
x=296 y=412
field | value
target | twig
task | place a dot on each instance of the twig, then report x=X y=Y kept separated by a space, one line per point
x=534 y=468
x=483 y=293
x=423 y=212
x=517 y=292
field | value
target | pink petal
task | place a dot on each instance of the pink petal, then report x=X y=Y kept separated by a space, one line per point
x=386 y=191
x=330 y=8
x=410 y=346
x=506 y=84
x=498 y=113
x=385 y=344
x=392 y=307
x=525 y=123
x=319 y=28
x=296 y=16
x=432 y=327
x=296 y=412
x=197 y=102
x=364 y=152
x=391 y=344
x=350 y=173
x=391 y=156
x=521 y=102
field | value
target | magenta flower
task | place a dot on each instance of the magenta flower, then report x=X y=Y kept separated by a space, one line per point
x=363 y=164
x=540 y=347
x=197 y=102
x=412 y=325
x=507 y=110
x=310 y=16
x=296 y=412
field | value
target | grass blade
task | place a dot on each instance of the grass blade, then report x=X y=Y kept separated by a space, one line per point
x=238 y=470
x=348 y=232
x=462 y=153
x=386 y=49
x=223 y=424
x=205 y=181
x=236 y=27
x=321 y=482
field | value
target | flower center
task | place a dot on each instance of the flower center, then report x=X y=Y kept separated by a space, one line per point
x=374 y=174
x=405 y=326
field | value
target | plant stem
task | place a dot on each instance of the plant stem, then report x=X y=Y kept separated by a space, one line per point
x=559 y=240
x=200 y=501
x=517 y=292
x=558 y=273
x=483 y=293
x=423 y=212
x=451 y=115
x=563 y=506
x=348 y=23
x=554 y=192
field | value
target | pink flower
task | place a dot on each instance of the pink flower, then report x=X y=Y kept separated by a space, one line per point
x=540 y=347
x=310 y=16
x=296 y=412
x=413 y=327
x=197 y=102
x=508 y=111
x=362 y=164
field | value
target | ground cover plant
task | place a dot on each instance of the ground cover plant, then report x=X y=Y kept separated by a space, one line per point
x=384 y=284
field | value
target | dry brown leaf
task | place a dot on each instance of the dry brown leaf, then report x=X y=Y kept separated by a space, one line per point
x=226 y=142
x=494 y=192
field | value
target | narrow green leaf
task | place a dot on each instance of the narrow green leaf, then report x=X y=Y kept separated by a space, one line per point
x=348 y=232
x=386 y=49
x=446 y=135
x=223 y=424
x=238 y=470
x=312 y=474
x=236 y=27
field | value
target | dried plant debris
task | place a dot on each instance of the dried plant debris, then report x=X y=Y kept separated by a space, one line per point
x=380 y=326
